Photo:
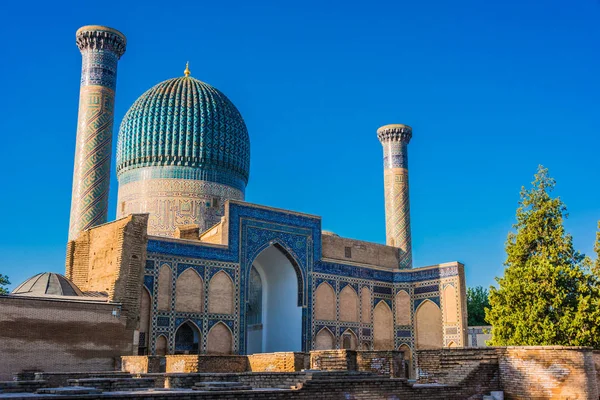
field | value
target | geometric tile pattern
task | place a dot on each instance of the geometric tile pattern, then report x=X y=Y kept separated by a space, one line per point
x=395 y=139
x=100 y=49
x=254 y=228
x=174 y=202
x=185 y=122
x=166 y=322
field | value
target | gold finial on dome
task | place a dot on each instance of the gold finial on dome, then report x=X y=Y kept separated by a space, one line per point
x=187 y=69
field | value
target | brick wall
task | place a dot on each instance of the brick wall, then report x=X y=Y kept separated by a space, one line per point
x=110 y=258
x=206 y=363
x=59 y=335
x=280 y=362
x=333 y=360
x=388 y=363
x=142 y=364
x=540 y=372
x=596 y=358
x=548 y=372
x=453 y=365
x=361 y=252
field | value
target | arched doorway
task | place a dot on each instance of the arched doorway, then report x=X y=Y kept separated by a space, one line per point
x=187 y=338
x=161 y=345
x=274 y=306
x=407 y=360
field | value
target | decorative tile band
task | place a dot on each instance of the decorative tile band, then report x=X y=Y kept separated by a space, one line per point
x=174 y=202
x=223 y=177
x=426 y=289
x=99 y=67
x=101 y=47
x=395 y=155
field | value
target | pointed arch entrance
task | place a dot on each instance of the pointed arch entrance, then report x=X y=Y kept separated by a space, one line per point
x=274 y=303
x=187 y=339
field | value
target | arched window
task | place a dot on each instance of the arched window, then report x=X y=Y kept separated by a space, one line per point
x=365 y=299
x=324 y=340
x=165 y=288
x=145 y=307
x=402 y=308
x=220 y=294
x=161 y=346
x=219 y=340
x=383 y=327
x=187 y=339
x=348 y=305
x=189 y=290
x=428 y=326
x=450 y=306
x=325 y=302
x=255 y=298
x=349 y=340
x=407 y=356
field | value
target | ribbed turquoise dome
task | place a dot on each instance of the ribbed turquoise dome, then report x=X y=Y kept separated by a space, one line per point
x=183 y=122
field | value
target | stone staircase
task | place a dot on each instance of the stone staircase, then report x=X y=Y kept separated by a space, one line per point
x=220 y=386
x=28 y=386
x=114 y=384
x=317 y=378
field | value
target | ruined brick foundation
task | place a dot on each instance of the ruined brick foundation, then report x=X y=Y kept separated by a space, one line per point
x=543 y=372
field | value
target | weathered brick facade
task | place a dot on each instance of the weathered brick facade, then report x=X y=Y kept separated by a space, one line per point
x=527 y=372
x=57 y=335
x=521 y=372
x=548 y=372
x=280 y=362
x=205 y=363
x=110 y=258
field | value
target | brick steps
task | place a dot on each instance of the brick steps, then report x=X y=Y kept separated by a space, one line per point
x=114 y=384
x=220 y=386
x=29 y=386
x=69 y=391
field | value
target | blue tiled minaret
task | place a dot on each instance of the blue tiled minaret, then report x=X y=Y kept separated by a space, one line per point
x=101 y=47
x=395 y=138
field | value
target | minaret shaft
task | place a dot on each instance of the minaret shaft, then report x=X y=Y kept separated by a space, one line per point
x=395 y=139
x=101 y=48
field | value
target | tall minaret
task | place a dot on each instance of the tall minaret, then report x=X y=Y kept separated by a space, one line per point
x=101 y=47
x=394 y=138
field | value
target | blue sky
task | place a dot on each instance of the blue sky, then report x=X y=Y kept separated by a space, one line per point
x=491 y=89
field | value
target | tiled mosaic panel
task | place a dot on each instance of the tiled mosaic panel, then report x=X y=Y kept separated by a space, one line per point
x=91 y=176
x=257 y=228
x=397 y=213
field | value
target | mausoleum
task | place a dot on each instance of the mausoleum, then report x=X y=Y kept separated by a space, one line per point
x=190 y=267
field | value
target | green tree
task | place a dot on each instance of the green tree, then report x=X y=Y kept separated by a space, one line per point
x=597 y=248
x=4 y=282
x=549 y=294
x=477 y=302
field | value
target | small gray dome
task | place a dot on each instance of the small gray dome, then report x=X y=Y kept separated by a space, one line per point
x=47 y=283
